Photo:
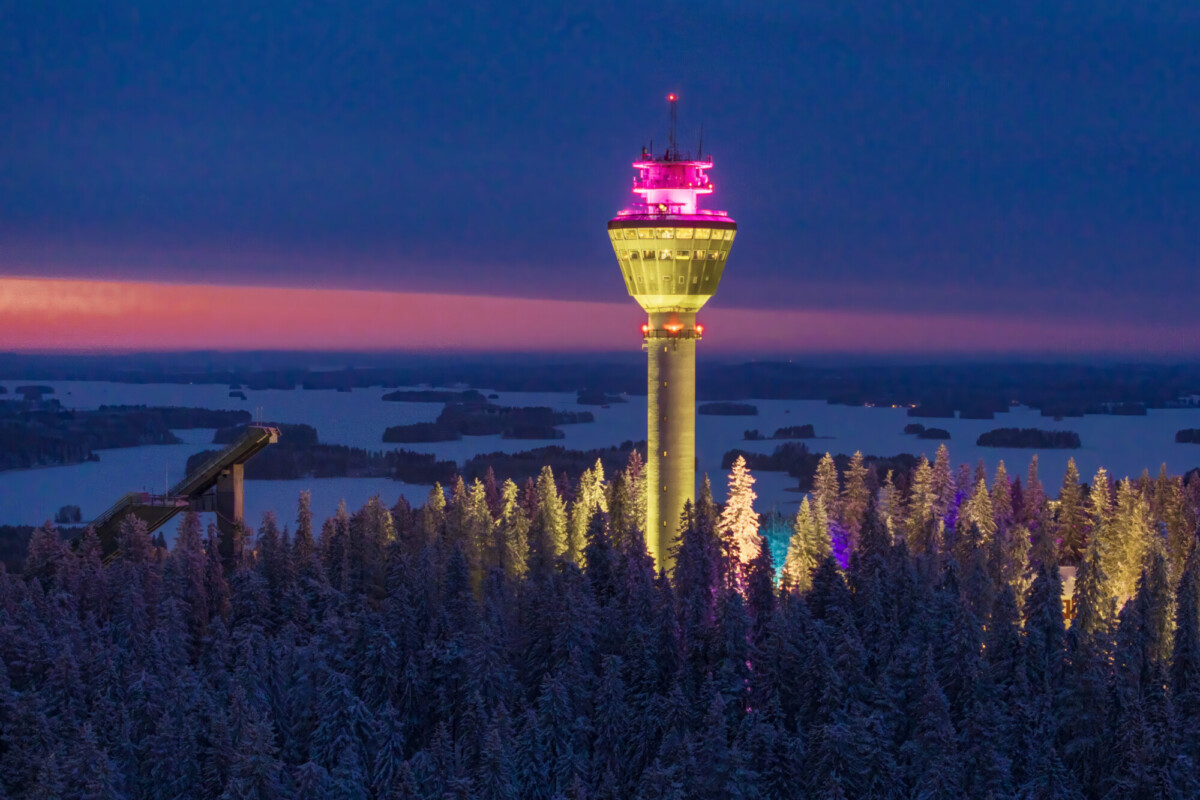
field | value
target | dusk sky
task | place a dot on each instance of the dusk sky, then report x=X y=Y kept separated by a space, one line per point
x=999 y=176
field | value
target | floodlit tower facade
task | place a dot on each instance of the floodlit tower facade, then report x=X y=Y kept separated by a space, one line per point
x=672 y=254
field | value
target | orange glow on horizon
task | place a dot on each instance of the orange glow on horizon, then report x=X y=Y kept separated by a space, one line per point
x=46 y=314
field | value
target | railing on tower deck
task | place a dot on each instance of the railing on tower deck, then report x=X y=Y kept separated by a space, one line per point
x=673 y=210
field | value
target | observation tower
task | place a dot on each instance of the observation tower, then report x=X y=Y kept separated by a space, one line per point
x=672 y=254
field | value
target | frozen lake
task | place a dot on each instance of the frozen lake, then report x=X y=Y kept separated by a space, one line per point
x=1124 y=445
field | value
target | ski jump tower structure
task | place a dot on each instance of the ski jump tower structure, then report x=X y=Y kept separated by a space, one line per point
x=672 y=254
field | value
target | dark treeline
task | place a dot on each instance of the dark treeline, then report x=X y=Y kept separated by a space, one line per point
x=798 y=461
x=42 y=433
x=283 y=462
x=517 y=642
x=291 y=459
x=1188 y=436
x=459 y=419
x=921 y=432
x=38 y=433
x=183 y=418
x=596 y=397
x=528 y=464
x=728 y=409
x=789 y=432
x=1033 y=438
x=434 y=396
x=976 y=390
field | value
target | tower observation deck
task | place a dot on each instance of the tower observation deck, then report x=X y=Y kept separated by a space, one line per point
x=672 y=254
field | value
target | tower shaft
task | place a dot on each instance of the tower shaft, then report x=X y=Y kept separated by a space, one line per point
x=670 y=431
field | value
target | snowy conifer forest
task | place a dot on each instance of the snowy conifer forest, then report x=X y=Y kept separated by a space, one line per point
x=511 y=642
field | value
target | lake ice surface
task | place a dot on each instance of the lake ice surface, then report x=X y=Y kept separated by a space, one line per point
x=1123 y=445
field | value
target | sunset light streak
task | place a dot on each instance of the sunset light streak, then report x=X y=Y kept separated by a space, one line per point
x=48 y=314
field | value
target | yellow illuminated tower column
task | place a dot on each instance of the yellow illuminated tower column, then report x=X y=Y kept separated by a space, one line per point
x=672 y=254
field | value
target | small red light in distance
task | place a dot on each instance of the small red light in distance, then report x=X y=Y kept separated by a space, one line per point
x=671 y=97
x=699 y=329
x=645 y=328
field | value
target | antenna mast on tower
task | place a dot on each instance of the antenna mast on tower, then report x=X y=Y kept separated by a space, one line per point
x=673 y=147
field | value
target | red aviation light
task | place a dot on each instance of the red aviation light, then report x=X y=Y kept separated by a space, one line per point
x=700 y=329
x=645 y=328
x=672 y=98
x=674 y=327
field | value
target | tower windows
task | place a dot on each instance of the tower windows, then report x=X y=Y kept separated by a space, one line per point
x=683 y=253
x=647 y=255
x=645 y=233
x=701 y=233
x=630 y=233
x=666 y=233
x=665 y=255
x=683 y=233
x=712 y=255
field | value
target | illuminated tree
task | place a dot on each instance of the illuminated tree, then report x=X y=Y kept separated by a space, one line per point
x=738 y=526
x=1001 y=495
x=976 y=521
x=589 y=498
x=1099 y=503
x=825 y=485
x=548 y=531
x=942 y=484
x=513 y=532
x=1167 y=505
x=919 y=526
x=479 y=534
x=889 y=503
x=1124 y=539
x=1071 y=520
x=635 y=478
x=621 y=509
x=855 y=496
x=808 y=548
x=433 y=515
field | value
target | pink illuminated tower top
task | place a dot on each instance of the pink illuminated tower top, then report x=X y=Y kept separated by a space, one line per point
x=670 y=185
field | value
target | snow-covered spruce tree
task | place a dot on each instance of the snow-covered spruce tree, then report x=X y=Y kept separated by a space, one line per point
x=1001 y=496
x=738 y=526
x=512 y=533
x=589 y=499
x=548 y=531
x=919 y=524
x=942 y=484
x=1071 y=524
x=854 y=498
x=808 y=547
x=825 y=486
x=1185 y=658
x=433 y=514
x=889 y=503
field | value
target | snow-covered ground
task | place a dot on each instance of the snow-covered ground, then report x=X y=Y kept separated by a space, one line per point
x=1124 y=445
